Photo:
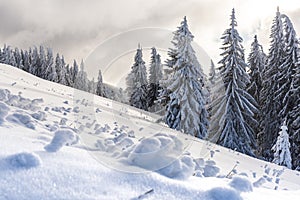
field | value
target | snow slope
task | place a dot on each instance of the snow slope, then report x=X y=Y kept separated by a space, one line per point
x=61 y=143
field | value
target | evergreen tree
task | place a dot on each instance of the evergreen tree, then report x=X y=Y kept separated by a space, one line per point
x=287 y=71
x=42 y=65
x=26 y=61
x=292 y=97
x=137 y=82
x=212 y=73
x=74 y=72
x=50 y=72
x=33 y=56
x=234 y=110
x=91 y=86
x=18 y=59
x=81 y=81
x=282 y=155
x=256 y=63
x=270 y=105
x=68 y=76
x=100 y=90
x=186 y=109
x=155 y=75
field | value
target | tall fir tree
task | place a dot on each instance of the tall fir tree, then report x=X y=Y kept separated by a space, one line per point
x=81 y=81
x=137 y=82
x=41 y=63
x=235 y=109
x=50 y=72
x=33 y=56
x=155 y=75
x=256 y=63
x=289 y=90
x=100 y=89
x=186 y=109
x=26 y=61
x=282 y=154
x=270 y=119
x=18 y=59
x=212 y=73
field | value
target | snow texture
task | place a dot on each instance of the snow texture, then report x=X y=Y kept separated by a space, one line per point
x=220 y=193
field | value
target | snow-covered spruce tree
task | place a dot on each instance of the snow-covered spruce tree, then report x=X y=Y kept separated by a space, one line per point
x=18 y=59
x=137 y=82
x=60 y=67
x=186 y=109
x=212 y=73
x=256 y=63
x=155 y=75
x=50 y=72
x=287 y=71
x=74 y=72
x=270 y=119
x=100 y=90
x=294 y=117
x=69 y=81
x=26 y=61
x=33 y=56
x=91 y=86
x=235 y=109
x=41 y=63
x=281 y=149
x=81 y=81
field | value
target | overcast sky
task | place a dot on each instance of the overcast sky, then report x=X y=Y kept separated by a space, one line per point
x=76 y=27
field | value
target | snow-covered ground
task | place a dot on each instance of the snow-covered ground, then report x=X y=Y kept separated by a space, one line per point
x=61 y=143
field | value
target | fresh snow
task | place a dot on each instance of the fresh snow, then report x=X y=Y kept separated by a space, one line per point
x=61 y=143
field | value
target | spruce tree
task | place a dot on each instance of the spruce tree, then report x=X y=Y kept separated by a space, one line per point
x=26 y=61
x=137 y=82
x=270 y=119
x=155 y=75
x=100 y=90
x=33 y=56
x=186 y=109
x=290 y=73
x=287 y=71
x=212 y=73
x=50 y=72
x=235 y=109
x=282 y=155
x=41 y=63
x=256 y=63
x=18 y=59
x=81 y=81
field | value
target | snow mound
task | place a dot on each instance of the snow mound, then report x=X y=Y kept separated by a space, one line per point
x=210 y=169
x=162 y=153
x=61 y=138
x=182 y=168
x=24 y=160
x=22 y=119
x=220 y=193
x=241 y=184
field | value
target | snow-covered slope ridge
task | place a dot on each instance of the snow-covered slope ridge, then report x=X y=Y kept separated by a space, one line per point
x=61 y=143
